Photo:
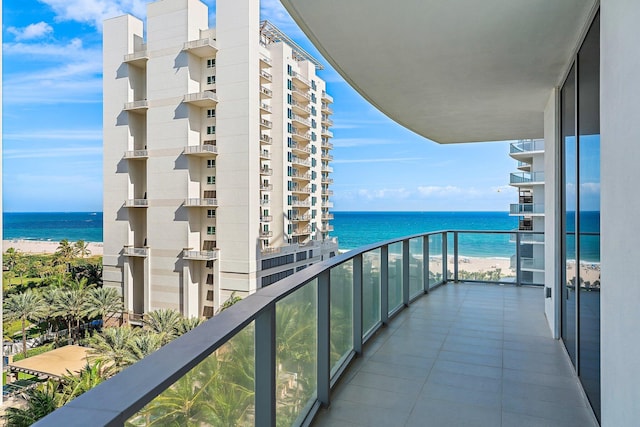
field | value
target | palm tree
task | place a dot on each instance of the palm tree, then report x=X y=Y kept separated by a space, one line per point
x=11 y=257
x=72 y=303
x=73 y=386
x=163 y=322
x=66 y=252
x=112 y=348
x=40 y=401
x=82 y=248
x=25 y=306
x=142 y=345
x=187 y=324
x=104 y=303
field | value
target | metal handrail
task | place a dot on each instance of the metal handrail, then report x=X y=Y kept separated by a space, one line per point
x=125 y=394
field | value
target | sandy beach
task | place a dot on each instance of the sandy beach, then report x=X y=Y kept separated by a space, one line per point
x=44 y=247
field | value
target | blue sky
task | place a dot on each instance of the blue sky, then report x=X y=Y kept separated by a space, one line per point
x=52 y=118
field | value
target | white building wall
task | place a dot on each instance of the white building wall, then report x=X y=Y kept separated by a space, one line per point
x=620 y=249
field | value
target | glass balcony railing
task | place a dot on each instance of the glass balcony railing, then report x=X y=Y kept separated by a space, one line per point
x=526 y=208
x=527 y=178
x=526 y=145
x=273 y=358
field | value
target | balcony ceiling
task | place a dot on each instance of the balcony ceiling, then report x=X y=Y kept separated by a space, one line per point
x=452 y=71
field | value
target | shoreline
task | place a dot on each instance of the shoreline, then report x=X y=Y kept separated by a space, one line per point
x=40 y=247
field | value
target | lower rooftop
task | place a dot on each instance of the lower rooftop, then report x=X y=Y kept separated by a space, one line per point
x=465 y=355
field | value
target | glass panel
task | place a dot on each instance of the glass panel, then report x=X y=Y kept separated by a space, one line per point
x=296 y=353
x=450 y=251
x=589 y=214
x=416 y=262
x=370 y=290
x=218 y=392
x=569 y=160
x=531 y=259
x=341 y=312
x=435 y=259
x=395 y=276
x=487 y=257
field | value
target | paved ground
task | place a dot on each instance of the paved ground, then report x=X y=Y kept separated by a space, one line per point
x=465 y=355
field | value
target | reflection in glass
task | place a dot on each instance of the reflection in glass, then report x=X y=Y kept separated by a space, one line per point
x=341 y=312
x=589 y=213
x=416 y=262
x=296 y=350
x=370 y=290
x=395 y=276
x=435 y=260
x=569 y=160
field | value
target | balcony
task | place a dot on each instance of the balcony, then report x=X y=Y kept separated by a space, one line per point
x=326 y=132
x=202 y=48
x=265 y=62
x=327 y=192
x=326 y=228
x=327 y=204
x=299 y=108
x=301 y=231
x=326 y=180
x=200 y=255
x=304 y=190
x=327 y=217
x=455 y=353
x=525 y=179
x=136 y=252
x=265 y=124
x=301 y=80
x=265 y=202
x=265 y=155
x=524 y=166
x=207 y=98
x=327 y=121
x=300 y=218
x=301 y=162
x=301 y=121
x=298 y=176
x=136 y=203
x=300 y=136
x=266 y=187
x=265 y=77
x=300 y=203
x=265 y=93
x=528 y=209
x=136 y=154
x=266 y=218
x=266 y=139
x=266 y=171
x=266 y=234
x=326 y=109
x=327 y=145
x=299 y=149
x=326 y=168
x=526 y=147
x=327 y=97
x=200 y=202
x=326 y=156
x=300 y=96
x=204 y=150
x=137 y=59
x=139 y=107
x=265 y=108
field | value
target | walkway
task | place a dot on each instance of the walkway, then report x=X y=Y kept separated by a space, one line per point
x=465 y=355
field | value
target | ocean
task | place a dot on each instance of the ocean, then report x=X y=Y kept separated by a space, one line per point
x=52 y=226
x=352 y=229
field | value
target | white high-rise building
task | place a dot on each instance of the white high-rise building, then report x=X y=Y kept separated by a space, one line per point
x=530 y=207
x=216 y=156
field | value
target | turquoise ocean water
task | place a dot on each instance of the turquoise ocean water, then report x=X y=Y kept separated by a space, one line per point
x=352 y=229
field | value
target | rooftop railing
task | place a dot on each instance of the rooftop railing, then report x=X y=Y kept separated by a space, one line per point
x=273 y=358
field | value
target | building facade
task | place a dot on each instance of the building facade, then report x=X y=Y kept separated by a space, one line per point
x=529 y=210
x=216 y=156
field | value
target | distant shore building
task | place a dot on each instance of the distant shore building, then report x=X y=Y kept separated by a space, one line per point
x=530 y=207
x=216 y=156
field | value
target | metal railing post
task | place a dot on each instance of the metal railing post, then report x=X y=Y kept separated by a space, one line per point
x=384 y=284
x=405 y=273
x=518 y=260
x=324 y=337
x=265 y=368
x=425 y=264
x=357 y=304
x=455 y=256
x=445 y=258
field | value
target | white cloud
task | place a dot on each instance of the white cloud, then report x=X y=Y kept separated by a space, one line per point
x=385 y=193
x=31 y=31
x=435 y=190
x=56 y=134
x=93 y=12
x=52 y=152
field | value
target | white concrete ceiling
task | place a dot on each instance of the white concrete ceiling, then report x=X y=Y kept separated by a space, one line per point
x=450 y=70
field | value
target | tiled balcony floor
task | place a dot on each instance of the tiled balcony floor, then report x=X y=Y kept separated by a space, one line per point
x=465 y=355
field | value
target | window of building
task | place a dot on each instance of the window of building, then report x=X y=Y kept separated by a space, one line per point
x=289 y=128
x=289 y=70
x=314 y=137
x=211 y=180
x=313 y=214
x=211 y=80
x=313 y=201
x=313 y=110
x=211 y=63
x=289 y=113
x=211 y=113
x=289 y=200
x=211 y=163
x=289 y=156
x=211 y=230
x=289 y=142
x=313 y=123
x=289 y=171
x=289 y=84
x=313 y=85
x=313 y=98
x=211 y=130
x=289 y=99
x=211 y=213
